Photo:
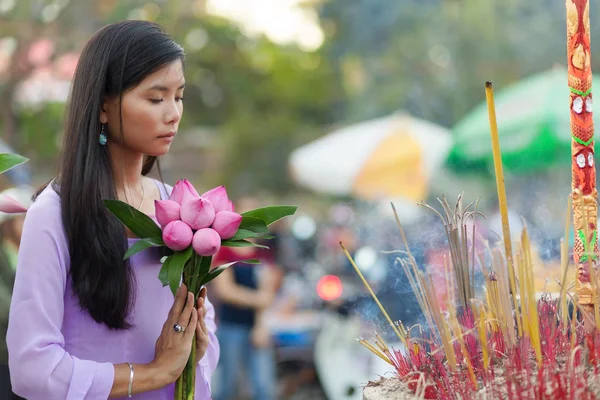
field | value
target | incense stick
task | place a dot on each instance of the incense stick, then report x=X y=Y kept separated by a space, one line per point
x=489 y=95
x=400 y=336
x=372 y=349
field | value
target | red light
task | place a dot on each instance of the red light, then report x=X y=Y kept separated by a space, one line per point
x=329 y=287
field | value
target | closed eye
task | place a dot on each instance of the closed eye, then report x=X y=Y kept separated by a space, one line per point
x=156 y=101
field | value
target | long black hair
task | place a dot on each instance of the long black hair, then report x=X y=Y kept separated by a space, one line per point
x=116 y=59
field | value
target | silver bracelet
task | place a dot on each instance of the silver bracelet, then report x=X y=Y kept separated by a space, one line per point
x=130 y=387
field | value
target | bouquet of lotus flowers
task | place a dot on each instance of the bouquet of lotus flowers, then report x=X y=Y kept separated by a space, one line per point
x=192 y=229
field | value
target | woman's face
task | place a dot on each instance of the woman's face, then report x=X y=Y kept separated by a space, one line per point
x=151 y=112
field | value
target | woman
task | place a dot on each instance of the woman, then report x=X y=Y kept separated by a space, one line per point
x=84 y=324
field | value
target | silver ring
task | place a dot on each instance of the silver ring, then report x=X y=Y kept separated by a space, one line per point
x=178 y=328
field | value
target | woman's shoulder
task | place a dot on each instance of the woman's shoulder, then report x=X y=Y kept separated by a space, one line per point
x=46 y=204
x=44 y=216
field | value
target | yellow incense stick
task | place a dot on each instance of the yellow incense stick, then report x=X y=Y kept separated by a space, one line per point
x=522 y=298
x=489 y=95
x=483 y=338
x=362 y=278
x=534 y=323
x=374 y=350
x=443 y=328
x=455 y=329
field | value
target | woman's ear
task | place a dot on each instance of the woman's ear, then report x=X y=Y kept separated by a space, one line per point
x=104 y=113
x=110 y=106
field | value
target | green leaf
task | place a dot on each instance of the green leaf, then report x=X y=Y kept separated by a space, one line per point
x=242 y=234
x=139 y=223
x=241 y=243
x=9 y=160
x=219 y=270
x=253 y=225
x=271 y=214
x=204 y=267
x=163 y=275
x=143 y=244
x=176 y=266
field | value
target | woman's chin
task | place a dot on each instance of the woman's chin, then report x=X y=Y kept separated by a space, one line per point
x=158 y=151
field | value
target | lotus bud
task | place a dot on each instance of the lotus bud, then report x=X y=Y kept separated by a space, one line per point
x=182 y=191
x=11 y=206
x=206 y=242
x=177 y=235
x=198 y=213
x=226 y=224
x=218 y=198
x=166 y=211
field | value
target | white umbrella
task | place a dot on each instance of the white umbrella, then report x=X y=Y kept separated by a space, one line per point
x=386 y=159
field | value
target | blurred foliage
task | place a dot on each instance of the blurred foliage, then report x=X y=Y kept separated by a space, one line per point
x=429 y=57
x=262 y=99
x=432 y=57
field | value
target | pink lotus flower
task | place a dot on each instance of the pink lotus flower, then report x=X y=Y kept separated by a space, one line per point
x=206 y=242
x=197 y=212
x=166 y=211
x=183 y=191
x=177 y=235
x=226 y=224
x=218 y=198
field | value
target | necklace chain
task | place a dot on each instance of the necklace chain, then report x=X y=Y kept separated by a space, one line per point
x=139 y=208
x=143 y=197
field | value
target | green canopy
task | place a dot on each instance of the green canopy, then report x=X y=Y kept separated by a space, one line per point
x=533 y=125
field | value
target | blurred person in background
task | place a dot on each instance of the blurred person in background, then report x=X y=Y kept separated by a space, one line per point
x=244 y=292
x=11 y=227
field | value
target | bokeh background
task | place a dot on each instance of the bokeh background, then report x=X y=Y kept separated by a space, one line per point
x=339 y=107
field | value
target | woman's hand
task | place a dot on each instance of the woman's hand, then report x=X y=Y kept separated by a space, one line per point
x=173 y=348
x=202 y=338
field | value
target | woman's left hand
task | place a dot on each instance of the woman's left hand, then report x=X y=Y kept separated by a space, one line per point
x=202 y=338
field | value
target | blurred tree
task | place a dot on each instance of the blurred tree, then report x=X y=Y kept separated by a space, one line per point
x=432 y=57
x=33 y=131
x=262 y=99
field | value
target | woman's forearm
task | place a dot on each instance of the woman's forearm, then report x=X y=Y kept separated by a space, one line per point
x=146 y=377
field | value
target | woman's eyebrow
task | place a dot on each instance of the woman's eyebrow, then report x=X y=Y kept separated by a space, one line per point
x=163 y=88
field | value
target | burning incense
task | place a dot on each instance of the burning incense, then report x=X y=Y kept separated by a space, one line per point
x=413 y=273
x=362 y=278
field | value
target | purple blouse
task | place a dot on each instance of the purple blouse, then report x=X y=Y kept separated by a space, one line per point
x=56 y=350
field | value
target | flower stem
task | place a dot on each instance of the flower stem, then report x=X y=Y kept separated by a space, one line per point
x=185 y=387
x=179 y=388
x=190 y=373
